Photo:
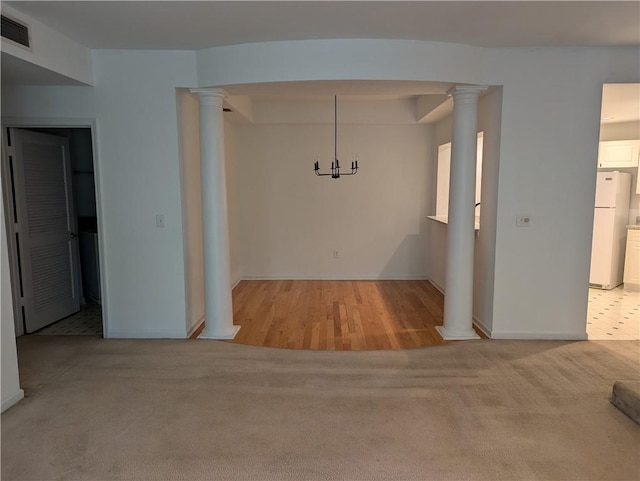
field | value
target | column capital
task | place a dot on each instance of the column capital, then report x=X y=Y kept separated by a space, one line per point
x=467 y=89
x=210 y=97
x=209 y=92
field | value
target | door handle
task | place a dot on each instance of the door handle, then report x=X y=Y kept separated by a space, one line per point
x=72 y=235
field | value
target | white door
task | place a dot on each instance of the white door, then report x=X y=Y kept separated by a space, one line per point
x=47 y=243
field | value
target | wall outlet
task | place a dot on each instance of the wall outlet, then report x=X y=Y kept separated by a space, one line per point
x=336 y=254
x=159 y=220
x=523 y=220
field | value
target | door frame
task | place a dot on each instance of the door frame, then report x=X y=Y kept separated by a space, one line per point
x=36 y=122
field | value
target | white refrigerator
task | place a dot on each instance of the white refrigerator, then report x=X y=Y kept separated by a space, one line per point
x=609 y=229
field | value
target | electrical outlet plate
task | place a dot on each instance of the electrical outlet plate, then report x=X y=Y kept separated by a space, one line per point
x=523 y=220
x=159 y=220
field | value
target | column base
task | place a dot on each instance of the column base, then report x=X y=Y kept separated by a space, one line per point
x=222 y=336
x=456 y=336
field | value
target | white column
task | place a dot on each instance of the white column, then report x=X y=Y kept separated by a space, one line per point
x=218 y=307
x=458 y=299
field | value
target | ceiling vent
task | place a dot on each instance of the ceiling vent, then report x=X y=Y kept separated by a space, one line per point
x=15 y=31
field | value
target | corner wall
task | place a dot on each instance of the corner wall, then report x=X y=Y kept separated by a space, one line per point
x=490 y=122
x=233 y=200
x=191 y=195
x=11 y=392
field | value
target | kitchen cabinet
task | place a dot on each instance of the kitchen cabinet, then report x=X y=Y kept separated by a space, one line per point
x=632 y=259
x=618 y=154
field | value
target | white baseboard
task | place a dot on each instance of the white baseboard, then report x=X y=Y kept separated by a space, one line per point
x=13 y=399
x=126 y=334
x=327 y=277
x=226 y=336
x=437 y=286
x=480 y=325
x=533 y=335
x=234 y=284
x=195 y=326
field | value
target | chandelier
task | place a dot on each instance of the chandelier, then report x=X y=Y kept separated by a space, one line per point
x=335 y=165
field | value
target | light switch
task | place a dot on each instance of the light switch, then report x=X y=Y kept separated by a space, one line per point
x=523 y=220
x=159 y=220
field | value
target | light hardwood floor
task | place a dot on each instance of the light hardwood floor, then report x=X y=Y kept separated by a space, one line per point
x=338 y=315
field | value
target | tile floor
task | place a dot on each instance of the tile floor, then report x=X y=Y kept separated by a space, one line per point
x=87 y=322
x=614 y=314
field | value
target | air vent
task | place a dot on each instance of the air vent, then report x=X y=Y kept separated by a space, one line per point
x=15 y=31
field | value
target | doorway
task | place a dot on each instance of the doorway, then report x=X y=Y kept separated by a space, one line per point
x=614 y=281
x=52 y=226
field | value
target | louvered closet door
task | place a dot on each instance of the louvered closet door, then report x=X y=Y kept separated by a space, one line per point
x=46 y=228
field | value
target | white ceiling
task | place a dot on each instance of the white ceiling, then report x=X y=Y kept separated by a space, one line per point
x=196 y=25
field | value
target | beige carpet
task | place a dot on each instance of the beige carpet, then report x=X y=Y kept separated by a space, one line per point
x=204 y=410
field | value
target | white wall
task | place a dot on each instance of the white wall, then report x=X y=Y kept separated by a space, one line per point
x=11 y=392
x=354 y=59
x=232 y=201
x=351 y=110
x=549 y=145
x=290 y=221
x=189 y=145
x=437 y=254
x=138 y=175
x=489 y=122
x=620 y=130
x=50 y=50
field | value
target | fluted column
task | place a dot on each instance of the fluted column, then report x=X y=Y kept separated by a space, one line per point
x=458 y=300
x=218 y=307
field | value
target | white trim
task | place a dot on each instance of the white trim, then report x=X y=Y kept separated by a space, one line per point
x=330 y=277
x=234 y=284
x=437 y=286
x=222 y=337
x=542 y=335
x=195 y=326
x=449 y=337
x=49 y=122
x=13 y=399
x=147 y=334
x=12 y=229
x=480 y=325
